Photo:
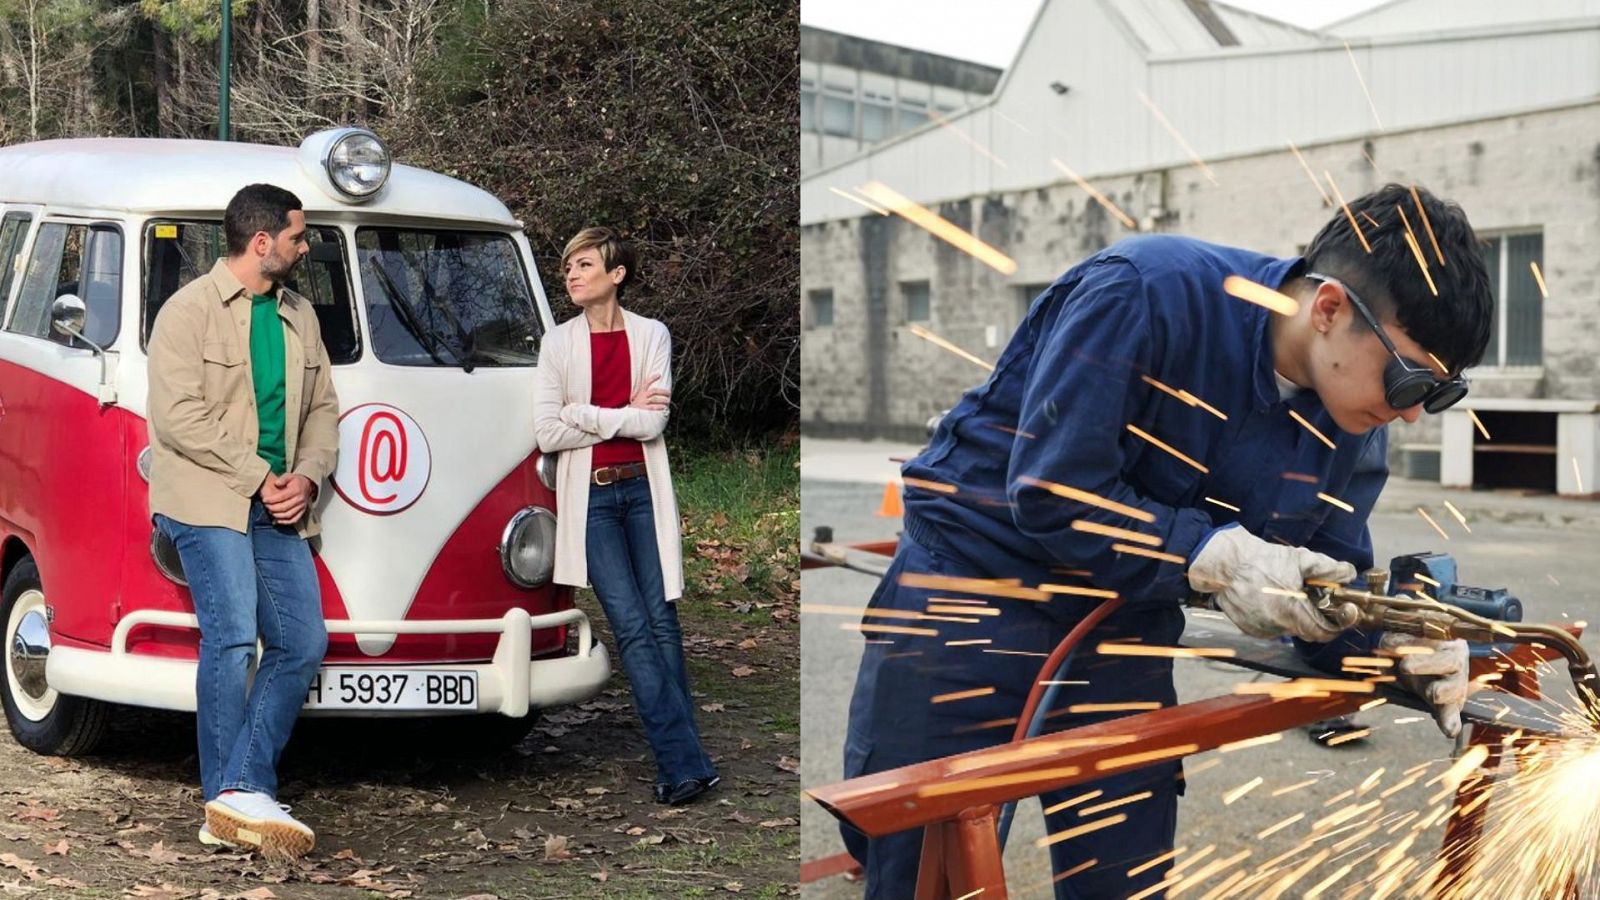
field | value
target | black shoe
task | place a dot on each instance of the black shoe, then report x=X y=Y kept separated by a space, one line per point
x=684 y=791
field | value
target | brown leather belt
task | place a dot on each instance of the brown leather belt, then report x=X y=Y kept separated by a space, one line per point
x=612 y=474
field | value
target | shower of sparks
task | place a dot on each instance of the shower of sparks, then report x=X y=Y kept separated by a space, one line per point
x=1273 y=829
x=1473 y=415
x=1223 y=505
x=1010 y=121
x=854 y=199
x=1173 y=558
x=982 y=587
x=1328 y=498
x=1347 y=214
x=1185 y=397
x=1156 y=442
x=1416 y=251
x=1071 y=802
x=1427 y=226
x=1151 y=864
x=1072 y=493
x=1071 y=833
x=1439 y=364
x=1459 y=518
x=938 y=226
x=961 y=695
x=950 y=128
x=1304 y=423
x=1368 y=94
x=1076 y=591
x=1251 y=742
x=1115 y=649
x=936 y=487
x=1326 y=200
x=1113 y=804
x=943 y=344
x=1193 y=156
x=1577 y=474
x=870 y=628
x=1134 y=759
x=1135 y=706
x=1099 y=198
x=1111 y=531
x=1238 y=792
x=1429 y=519
x=1261 y=295
x=1539 y=277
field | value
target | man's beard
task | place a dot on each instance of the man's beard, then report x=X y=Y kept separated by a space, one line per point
x=277 y=268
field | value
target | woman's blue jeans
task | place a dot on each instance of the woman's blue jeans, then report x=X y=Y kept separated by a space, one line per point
x=625 y=571
x=262 y=583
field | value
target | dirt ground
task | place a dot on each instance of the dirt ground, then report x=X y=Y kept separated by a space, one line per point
x=400 y=811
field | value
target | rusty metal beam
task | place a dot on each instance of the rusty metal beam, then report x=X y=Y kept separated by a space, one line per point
x=938 y=790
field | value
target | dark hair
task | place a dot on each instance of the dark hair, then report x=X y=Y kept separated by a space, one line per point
x=256 y=208
x=1454 y=325
x=614 y=251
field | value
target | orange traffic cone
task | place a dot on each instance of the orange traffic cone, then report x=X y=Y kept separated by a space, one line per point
x=891 y=507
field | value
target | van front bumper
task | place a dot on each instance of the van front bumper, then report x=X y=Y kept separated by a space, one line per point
x=509 y=684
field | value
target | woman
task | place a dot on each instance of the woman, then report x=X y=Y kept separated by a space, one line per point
x=603 y=384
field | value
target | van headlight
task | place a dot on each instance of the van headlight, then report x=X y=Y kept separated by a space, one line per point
x=528 y=547
x=546 y=467
x=358 y=163
x=349 y=164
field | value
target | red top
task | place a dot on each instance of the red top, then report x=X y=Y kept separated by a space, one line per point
x=610 y=373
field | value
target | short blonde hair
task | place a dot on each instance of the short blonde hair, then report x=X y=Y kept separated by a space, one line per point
x=614 y=251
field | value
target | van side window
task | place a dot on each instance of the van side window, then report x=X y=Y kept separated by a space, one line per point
x=13 y=231
x=176 y=253
x=85 y=260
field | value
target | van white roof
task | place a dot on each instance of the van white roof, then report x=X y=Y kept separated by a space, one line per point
x=160 y=176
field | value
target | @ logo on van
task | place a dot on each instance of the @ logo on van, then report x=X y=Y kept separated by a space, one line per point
x=384 y=461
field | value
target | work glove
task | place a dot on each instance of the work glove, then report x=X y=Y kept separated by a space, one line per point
x=1439 y=677
x=1236 y=566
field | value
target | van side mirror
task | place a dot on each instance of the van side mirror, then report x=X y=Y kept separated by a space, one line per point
x=67 y=315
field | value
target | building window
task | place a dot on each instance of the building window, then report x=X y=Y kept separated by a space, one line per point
x=821 y=307
x=808 y=105
x=877 y=116
x=839 y=111
x=917 y=299
x=912 y=113
x=1518 y=337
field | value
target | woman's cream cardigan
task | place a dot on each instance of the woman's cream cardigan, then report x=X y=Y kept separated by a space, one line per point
x=564 y=420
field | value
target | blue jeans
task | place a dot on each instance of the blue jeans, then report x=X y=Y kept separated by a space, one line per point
x=244 y=585
x=625 y=571
x=893 y=723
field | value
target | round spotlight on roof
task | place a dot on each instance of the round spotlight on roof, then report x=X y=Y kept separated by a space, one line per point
x=352 y=161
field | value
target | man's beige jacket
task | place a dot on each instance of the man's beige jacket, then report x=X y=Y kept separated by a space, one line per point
x=203 y=427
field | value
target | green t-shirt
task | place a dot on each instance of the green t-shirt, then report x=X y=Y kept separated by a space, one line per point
x=266 y=363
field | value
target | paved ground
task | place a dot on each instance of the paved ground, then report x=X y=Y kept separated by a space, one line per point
x=1540 y=547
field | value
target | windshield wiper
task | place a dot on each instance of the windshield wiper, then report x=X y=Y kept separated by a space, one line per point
x=404 y=311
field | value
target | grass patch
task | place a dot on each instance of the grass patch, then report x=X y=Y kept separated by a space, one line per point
x=741 y=515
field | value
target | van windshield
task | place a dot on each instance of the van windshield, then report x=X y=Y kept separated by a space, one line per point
x=447 y=298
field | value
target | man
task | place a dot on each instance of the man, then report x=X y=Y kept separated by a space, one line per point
x=1154 y=402
x=243 y=431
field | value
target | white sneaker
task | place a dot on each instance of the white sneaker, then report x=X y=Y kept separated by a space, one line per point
x=259 y=822
x=211 y=840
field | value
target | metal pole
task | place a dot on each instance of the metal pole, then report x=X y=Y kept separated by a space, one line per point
x=223 y=129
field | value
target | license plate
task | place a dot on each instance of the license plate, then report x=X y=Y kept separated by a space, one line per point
x=364 y=687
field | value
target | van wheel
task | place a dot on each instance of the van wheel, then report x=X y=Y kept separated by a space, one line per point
x=41 y=719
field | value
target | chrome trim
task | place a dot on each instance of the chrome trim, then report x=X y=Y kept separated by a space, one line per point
x=521 y=516
x=165 y=554
x=30 y=647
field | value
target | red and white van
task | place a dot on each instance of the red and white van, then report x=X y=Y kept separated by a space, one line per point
x=439 y=532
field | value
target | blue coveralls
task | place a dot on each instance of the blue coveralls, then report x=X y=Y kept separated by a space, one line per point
x=1057 y=408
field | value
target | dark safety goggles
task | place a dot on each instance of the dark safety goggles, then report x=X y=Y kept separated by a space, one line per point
x=1406 y=382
